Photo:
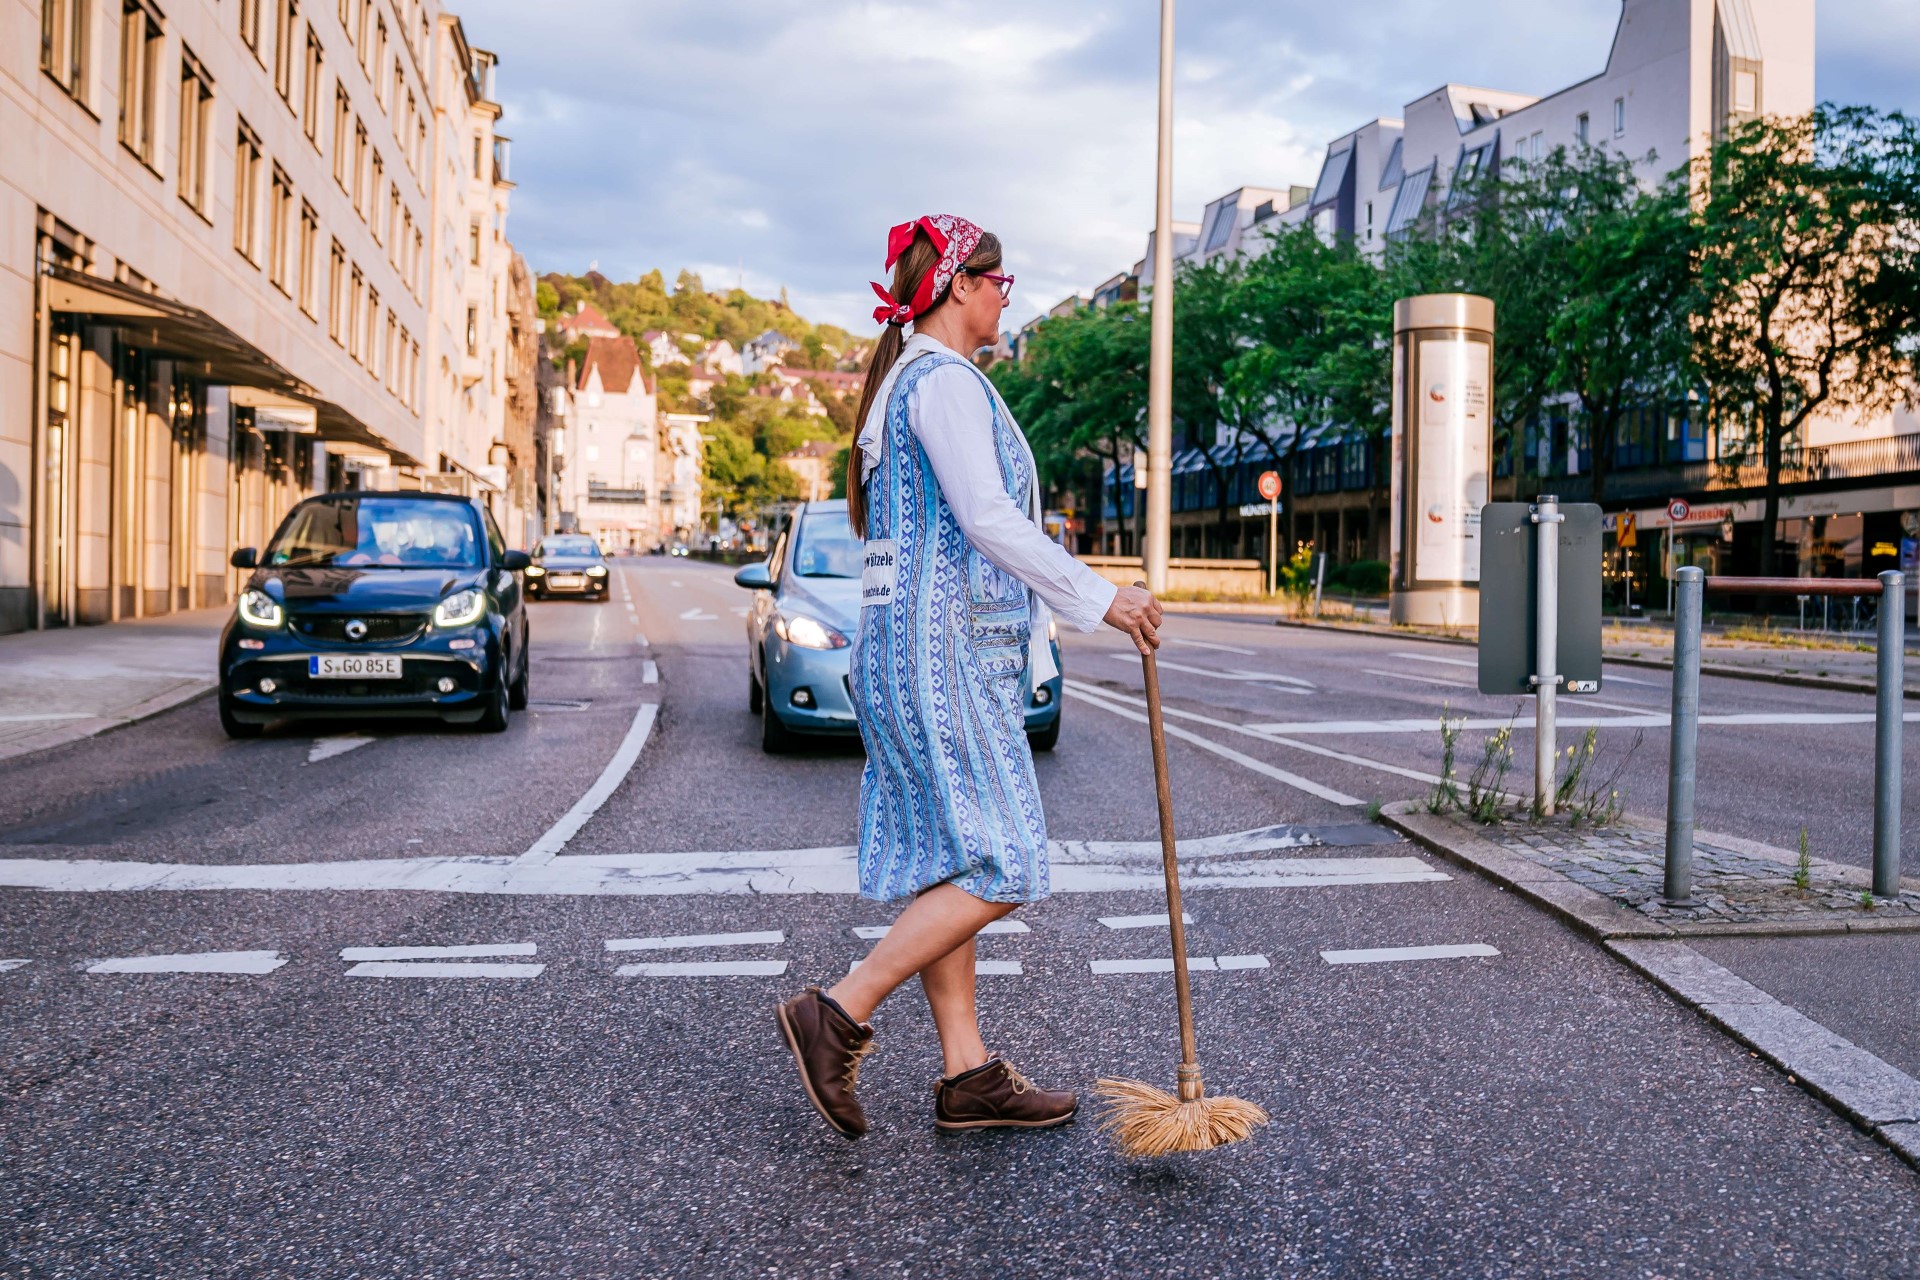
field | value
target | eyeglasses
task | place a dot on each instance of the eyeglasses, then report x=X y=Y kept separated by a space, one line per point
x=1005 y=282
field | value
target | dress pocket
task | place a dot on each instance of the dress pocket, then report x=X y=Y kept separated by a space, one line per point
x=998 y=632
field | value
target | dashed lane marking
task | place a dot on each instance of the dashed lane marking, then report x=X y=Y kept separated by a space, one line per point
x=1431 y=724
x=1185 y=643
x=697 y=614
x=1387 y=955
x=1161 y=921
x=1245 y=677
x=438 y=953
x=335 y=745
x=762 y=938
x=1446 y=662
x=1195 y=964
x=1408 y=675
x=255 y=962
x=981 y=968
x=443 y=969
x=704 y=969
x=871 y=931
x=548 y=846
x=649 y=672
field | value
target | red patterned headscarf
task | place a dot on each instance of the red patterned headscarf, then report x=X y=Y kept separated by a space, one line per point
x=955 y=238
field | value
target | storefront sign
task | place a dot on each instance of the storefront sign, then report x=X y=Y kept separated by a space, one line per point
x=1250 y=509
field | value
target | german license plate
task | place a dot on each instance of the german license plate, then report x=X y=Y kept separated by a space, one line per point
x=353 y=666
x=567 y=580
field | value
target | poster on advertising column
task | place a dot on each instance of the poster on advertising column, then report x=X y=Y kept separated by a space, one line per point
x=1453 y=466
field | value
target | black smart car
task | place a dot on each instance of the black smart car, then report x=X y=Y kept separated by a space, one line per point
x=567 y=564
x=377 y=604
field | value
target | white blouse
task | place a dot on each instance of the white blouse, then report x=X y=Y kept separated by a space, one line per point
x=953 y=420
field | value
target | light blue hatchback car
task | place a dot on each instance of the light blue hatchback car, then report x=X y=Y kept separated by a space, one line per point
x=806 y=607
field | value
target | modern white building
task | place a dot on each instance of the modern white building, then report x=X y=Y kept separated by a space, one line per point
x=223 y=245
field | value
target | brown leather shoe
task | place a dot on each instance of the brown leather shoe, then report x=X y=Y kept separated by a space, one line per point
x=827 y=1047
x=996 y=1096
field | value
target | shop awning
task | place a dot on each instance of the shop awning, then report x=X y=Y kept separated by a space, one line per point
x=207 y=348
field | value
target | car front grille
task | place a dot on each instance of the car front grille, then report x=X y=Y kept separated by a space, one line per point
x=382 y=628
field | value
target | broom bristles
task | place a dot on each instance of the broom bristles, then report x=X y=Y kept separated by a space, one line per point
x=1146 y=1121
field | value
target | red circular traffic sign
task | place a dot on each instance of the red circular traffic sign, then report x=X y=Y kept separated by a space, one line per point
x=1269 y=485
x=1678 y=510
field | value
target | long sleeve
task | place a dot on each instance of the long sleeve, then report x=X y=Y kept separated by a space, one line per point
x=952 y=419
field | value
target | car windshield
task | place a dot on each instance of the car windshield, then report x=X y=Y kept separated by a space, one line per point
x=827 y=547
x=567 y=547
x=380 y=533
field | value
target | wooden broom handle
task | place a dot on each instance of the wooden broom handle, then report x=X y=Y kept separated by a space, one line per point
x=1189 y=1050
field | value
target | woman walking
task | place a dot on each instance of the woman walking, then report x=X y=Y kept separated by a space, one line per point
x=958 y=595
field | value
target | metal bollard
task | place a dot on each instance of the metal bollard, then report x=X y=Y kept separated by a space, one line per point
x=1889 y=696
x=1547 y=519
x=1681 y=757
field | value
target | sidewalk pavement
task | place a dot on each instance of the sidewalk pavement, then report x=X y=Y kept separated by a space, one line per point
x=57 y=686
x=1607 y=882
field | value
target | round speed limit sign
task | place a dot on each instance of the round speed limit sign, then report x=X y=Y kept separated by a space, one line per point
x=1678 y=510
x=1269 y=485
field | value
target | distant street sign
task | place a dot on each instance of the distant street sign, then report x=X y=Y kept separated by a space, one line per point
x=1626 y=533
x=1269 y=485
x=1508 y=583
x=1678 y=510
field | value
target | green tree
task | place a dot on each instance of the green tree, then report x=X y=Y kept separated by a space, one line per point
x=1804 y=262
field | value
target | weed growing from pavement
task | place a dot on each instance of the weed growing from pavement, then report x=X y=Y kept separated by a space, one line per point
x=1486 y=785
x=1446 y=792
x=1866 y=899
x=1373 y=811
x=1803 y=865
x=1589 y=800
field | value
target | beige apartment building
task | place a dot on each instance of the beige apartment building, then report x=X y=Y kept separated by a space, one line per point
x=237 y=266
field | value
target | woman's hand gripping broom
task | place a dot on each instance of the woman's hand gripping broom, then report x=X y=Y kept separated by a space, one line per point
x=1143 y=1120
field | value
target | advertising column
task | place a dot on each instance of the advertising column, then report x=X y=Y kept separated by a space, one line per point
x=1442 y=456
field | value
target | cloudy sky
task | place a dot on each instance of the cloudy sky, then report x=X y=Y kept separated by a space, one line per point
x=772 y=143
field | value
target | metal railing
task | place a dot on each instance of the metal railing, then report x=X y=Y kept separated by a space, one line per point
x=1876 y=458
x=1690 y=588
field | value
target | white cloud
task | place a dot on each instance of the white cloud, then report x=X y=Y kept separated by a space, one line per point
x=776 y=143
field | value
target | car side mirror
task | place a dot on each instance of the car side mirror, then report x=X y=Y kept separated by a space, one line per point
x=244 y=558
x=754 y=577
x=514 y=561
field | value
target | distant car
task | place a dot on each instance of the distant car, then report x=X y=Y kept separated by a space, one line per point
x=377 y=604
x=567 y=564
x=806 y=607
x=679 y=548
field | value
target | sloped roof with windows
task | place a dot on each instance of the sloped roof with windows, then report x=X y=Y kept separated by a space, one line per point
x=617 y=361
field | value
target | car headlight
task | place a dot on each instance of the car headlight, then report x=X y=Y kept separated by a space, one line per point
x=535 y=571
x=461 y=608
x=596 y=571
x=808 y=633
x=259 y=609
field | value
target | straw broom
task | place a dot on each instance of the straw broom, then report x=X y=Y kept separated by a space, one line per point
x=1143 y=1120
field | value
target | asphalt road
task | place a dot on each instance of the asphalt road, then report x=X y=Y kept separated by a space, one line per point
x=533 y=1111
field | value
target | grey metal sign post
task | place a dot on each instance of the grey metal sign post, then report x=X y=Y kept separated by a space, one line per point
x=1540 y=613
x=1888 y=727
x=1690 y=588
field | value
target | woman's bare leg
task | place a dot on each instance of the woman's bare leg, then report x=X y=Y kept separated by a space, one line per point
x=933 y=924
x=948 y=983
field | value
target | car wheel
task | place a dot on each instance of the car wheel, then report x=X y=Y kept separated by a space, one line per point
x=755 y=694
x=775 y=738
x=517 y=691
x=236 y=728
x=499 y=710
x=1048 y=738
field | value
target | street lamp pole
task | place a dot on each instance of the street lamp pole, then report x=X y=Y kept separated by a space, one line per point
x=1160 y=336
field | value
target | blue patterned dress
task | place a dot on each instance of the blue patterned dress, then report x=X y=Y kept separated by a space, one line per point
x=939 y=683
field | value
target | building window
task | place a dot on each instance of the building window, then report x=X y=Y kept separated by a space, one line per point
x=140 y=40
x=310 y=103
x=342 y=140
x=309 y=262
x=1619 y=116
x=250 y=25
x=337 y=293
x=196 y=125
x=396 y=233
x=359 y=168
x=246 y=193
x=373 y=197
x=419 y=256
x=280 y=243
x=63 y=44
x=372 y=343
x=419 y=143
x=1580 y=128
x=356 y=307
x=388 y=365
x=375 y=49
x=473 y=242
x=1746 y=92
x=284 y=50
x=473 y=331
x=476 y=155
